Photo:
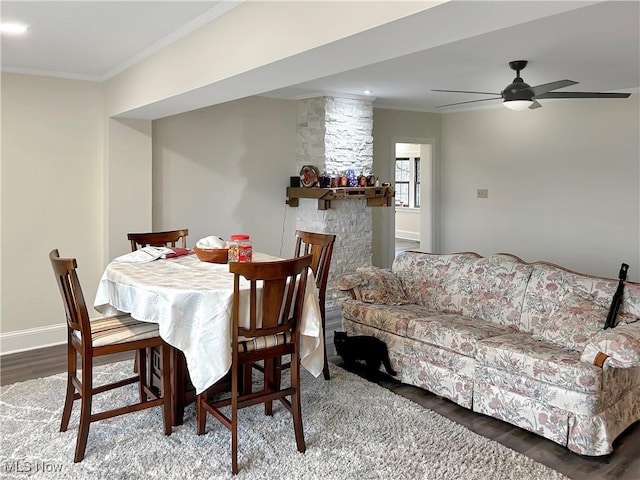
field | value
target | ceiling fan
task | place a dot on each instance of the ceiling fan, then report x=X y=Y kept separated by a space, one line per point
x=519 y=95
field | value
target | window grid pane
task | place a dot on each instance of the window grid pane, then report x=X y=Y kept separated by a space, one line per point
x=402 y=194
x=402 y=170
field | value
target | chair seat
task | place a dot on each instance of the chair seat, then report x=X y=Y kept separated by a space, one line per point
x=260 y=343
x=120 y=329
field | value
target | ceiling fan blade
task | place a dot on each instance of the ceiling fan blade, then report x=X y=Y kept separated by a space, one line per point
x=534 y=105
x=470 y=101
x=582 y=95
x=547 y=87
x=464 y=91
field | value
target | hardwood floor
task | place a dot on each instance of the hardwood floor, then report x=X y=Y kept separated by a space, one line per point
x=404 y=244
x=622 y=464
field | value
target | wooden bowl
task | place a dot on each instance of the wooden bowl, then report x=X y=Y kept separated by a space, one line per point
x=212 y=255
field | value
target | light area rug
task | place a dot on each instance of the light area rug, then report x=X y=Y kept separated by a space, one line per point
x=353 y=429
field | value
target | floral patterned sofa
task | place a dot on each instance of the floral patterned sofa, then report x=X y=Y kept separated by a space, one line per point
x=522 y=342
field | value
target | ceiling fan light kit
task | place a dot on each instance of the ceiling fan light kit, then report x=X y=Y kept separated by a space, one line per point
x=519 y=95
x=518 y=105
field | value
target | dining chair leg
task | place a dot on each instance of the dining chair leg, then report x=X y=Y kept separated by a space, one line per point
x=325 y=368
x=296 y=409
x=275 y=377
x=86 y=397
x=201 y=415
x=71 y=390
x=246 y=379
x=68 y=405
x=135 y=362
x=141 y=369
x=270 y=385
x=234 y=443
x=234 y=421
x=166 y=389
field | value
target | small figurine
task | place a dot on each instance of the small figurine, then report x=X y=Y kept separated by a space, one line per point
x=352 y=180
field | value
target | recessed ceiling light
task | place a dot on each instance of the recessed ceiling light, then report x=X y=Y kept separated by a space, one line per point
x=13 y=28
x=367 y=92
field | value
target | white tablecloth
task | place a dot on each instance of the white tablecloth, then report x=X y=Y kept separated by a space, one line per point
x=191 y=301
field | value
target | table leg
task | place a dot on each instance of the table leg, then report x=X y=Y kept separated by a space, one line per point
x=182 y=391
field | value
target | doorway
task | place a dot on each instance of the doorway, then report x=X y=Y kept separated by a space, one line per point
x=413 y=182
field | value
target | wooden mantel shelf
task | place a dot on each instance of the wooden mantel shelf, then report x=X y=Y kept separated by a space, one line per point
x=375 y=196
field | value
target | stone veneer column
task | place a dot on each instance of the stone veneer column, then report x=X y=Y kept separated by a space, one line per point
x=335 y=134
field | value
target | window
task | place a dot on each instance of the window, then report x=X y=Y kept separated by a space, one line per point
x=402 y=182
x=407 y=182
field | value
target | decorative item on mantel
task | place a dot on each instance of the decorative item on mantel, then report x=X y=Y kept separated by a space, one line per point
x=325 y=180
x=309 y=176
x=362 y=180
x=343 y=181
x=352 y=180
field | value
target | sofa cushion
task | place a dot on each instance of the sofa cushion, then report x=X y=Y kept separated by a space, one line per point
x=548 y=287
x=388 y=318
x=521 y=354
x=573 y=325
x=453 y=331
x=431 y=280
x=494 y=289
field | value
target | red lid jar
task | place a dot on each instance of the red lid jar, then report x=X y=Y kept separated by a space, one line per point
x=240 y=249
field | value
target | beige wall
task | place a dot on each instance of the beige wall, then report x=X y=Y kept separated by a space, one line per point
x=128 y=183
x=52 y=197
x=407 y=224
x=224 y=169
x=390 y=127
x=563 y=181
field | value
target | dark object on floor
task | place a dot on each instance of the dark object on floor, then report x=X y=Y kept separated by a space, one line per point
x=371 y=350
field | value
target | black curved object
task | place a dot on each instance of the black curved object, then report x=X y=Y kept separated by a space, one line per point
x=610 y=322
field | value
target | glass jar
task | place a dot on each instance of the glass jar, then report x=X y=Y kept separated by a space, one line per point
x=240 y=249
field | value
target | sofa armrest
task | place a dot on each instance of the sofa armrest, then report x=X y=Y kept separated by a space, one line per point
x=617 y=347
x=351 y=283
x=374 y=285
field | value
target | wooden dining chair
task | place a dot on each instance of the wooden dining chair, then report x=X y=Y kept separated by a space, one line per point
x=158 y=239
x=99 y=337
x=320 y=245
x=272 y=331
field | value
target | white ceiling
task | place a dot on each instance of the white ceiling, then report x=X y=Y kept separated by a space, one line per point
x=95 y=40
x=594 y=43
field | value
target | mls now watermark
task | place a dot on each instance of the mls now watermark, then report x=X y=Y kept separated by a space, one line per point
x=29 y=467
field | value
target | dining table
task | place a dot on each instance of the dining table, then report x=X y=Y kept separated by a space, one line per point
x=191 y=301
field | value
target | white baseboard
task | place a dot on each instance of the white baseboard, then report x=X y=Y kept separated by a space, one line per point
x=408 y=235
x=33 y=338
